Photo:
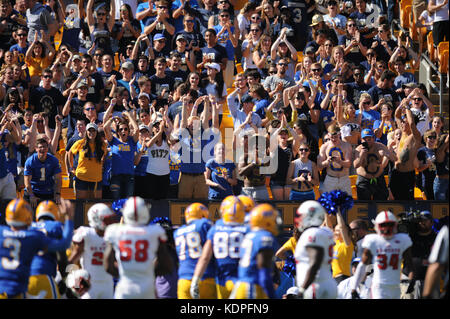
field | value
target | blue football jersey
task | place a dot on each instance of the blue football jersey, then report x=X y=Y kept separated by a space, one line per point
x=226 y=241
x=45 y=263
x=17 y=250
x=42 y=173
x=253 y=243
x=189 y=241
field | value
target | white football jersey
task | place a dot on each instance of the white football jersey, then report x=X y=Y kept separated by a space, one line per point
x=92 y=258
x=135 y=249
x=387 y=256
x=314 y=237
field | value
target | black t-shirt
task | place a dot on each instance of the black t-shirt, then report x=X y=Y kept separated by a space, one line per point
x=354 y=92
x=105 y=76
x=388 y=94
x=158 y=84
x=177 y=76
x=48 y=101
x=95 y=89
x=420 y=250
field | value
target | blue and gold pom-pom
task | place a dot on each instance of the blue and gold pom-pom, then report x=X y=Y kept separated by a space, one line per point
x=161 y=220
x=289 y=266
x=336 y=200
x=118 y=205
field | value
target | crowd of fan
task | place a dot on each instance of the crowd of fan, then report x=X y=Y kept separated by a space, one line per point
x=136 y=94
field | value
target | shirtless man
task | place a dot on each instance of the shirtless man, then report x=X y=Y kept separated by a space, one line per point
x=336 y=156
x=402 y=179
x=250 y=168
x=370 y=160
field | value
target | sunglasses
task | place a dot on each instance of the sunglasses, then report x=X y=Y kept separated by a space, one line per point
x=100 y=14
x=417 y=99
x=162 y=7
x=21 y=34
x=190 y=21
x=334 y=134
x=283 y=64
x=316 y=70
x=432 y=137
x=351 y=25
x=89 y=109
x=272 y=72
x=47 y=76
x=304 y=149
x=256 y=17
x=366 y=103
x=224 y=16
x=357 y=74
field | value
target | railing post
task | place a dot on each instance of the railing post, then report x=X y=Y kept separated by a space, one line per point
x=441 y=90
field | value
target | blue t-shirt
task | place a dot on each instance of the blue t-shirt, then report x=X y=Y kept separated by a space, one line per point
x=385 y=131
x=219 y=173
x=226 y=240
x=404 y=78
x=224 y=41
x=3 y=166
x=123 y=156
x=42 y=173
x=189 y=241
x=141 y=167
x=22 y=52
x=260 y=108
x=368 y=118
x=46 y=263
x=253 y=243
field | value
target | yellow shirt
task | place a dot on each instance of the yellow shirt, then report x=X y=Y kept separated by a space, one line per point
x=290 y=244
x=342 y=259
x=88 y=169
x=37 y=65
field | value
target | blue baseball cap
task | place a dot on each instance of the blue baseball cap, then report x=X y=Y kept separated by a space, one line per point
x=158 y=36
x=367 y=132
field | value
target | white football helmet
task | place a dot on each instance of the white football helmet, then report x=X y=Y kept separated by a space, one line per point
x=385 y=224
x=135 y=211
x=309 y=213
x=79 y=281
x=100 y=216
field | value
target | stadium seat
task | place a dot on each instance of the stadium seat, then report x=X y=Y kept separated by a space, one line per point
x=354 y=193
x=430 y=46
x=443 y=49
x=316 y=192
x=239 y=68
x=299 y=56
x=353 y=179
x=405 y=16
x=417 y=194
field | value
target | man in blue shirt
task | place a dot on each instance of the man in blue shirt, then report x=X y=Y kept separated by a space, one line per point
x=42 y=175
x=403 y=77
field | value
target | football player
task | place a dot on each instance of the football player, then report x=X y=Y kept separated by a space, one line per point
x=134 y=245
x=19 y=245
x=89 y=247
x=224 y=241
x=387 y=248
x=44 y=265
x=249 y=204
x=256 y=255
x=189 y=241
x=313 y=253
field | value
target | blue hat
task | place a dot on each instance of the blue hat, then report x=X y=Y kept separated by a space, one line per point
x=367 y=132
x=158 y=36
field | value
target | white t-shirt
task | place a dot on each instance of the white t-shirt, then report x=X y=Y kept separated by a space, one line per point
x=387 y=256
x=427 y=18
x=442 y=13
x=92 y=257
x=314 y=237
x=158 y=159
x=135 y=249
